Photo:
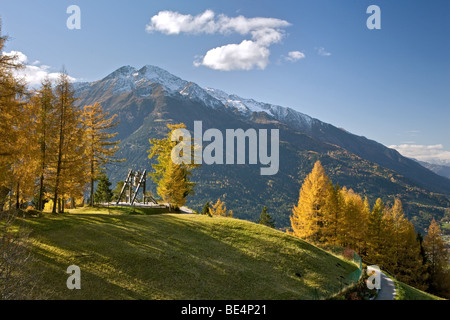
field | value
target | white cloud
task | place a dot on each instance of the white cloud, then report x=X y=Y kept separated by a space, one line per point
x=170 y=22
x=266 y=36
x=246 y=55
x=35 y=72
x=322 y=52
x=19 y=56
x=294 y=56
x=429 y=153
x=243 y=25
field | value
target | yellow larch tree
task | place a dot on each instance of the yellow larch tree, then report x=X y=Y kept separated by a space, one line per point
x=69 y=152
x=307 y=215
x=332 y=231
x=168 y=175
x=75 y=169
x=43 y=104
x=12 y=93
x=218 y=209
x=374 y=233
x=26 y=161
x=100 y=149
x=401 y=250
x=394 y=228
x=411 y=269
x=172 y=186
x=437 y=260
x=354 y=221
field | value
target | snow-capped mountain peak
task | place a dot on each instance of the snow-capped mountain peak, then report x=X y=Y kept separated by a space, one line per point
x=122 y=72
x=142 y=83
x=128 y=78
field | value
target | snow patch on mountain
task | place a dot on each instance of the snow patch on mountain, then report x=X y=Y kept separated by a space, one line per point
x=196 y=93
x=155 y=74
x=247 y=106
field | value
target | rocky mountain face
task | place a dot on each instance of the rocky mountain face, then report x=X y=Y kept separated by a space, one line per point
x=147 y=99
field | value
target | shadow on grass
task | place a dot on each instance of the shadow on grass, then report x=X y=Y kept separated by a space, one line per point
x=119 y=210
x=180 y=257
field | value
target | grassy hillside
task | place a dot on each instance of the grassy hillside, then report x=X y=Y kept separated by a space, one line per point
x=179 y=256
x=406 y=292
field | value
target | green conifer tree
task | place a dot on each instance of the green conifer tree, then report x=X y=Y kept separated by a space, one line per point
x=205 y=209
x=103 y=192
x=266 y=219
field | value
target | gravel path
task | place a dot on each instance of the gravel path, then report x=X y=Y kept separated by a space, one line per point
x=388 y=290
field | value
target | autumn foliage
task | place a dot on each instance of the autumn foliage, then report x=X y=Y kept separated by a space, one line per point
x=330 y=215
x=51 y=147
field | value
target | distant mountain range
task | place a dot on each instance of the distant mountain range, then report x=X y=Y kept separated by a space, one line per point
x=148 y=98
x=442 y=170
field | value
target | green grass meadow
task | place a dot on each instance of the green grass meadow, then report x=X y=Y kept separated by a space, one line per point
x=177 y=256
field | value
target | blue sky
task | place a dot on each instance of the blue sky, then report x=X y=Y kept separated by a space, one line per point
x=391 y=85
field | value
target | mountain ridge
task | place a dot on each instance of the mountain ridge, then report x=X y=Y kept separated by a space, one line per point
x=138 y=80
